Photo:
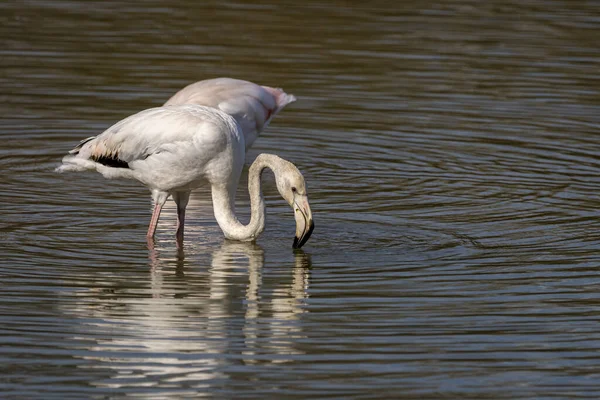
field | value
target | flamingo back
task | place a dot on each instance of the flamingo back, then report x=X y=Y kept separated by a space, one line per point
x=253 y=106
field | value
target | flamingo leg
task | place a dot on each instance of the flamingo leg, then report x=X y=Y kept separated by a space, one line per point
x=159 y=198
x=181 y=199
x=154 y=221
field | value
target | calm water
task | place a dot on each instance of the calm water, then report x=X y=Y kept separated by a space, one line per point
x=452 y=156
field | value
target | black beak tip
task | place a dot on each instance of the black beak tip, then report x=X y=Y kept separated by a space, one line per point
x=299 y=242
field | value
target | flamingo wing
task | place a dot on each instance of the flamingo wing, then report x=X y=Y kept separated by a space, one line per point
x=162 y=147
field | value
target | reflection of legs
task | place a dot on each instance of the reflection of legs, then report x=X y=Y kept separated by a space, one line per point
x=181 y=199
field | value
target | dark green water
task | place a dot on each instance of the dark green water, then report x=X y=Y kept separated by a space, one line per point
x=452 y=155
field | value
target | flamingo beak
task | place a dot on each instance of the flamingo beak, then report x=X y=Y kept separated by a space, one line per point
x=304 y=221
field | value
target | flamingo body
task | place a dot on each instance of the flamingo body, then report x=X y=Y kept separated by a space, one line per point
x=166 y=148
x=251 y=105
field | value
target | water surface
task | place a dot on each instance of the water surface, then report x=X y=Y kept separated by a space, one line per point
x=451 y=154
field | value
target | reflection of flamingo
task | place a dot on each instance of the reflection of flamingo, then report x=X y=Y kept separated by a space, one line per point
x=175 y=149
x=253 y=106
x=191 y=324
x=287 y=300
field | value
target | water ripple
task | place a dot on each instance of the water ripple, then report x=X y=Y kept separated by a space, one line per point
x=451 y=159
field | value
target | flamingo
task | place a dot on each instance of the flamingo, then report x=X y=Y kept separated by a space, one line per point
x=173 y=150
x=253 y=106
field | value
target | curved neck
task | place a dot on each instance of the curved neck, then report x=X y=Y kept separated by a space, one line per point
x=224 y=202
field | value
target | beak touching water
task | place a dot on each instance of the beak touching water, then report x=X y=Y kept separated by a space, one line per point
x=304 y=221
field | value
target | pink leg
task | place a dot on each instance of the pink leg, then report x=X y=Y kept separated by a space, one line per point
x=181 y=199
x=154 y=221
x=180 y=222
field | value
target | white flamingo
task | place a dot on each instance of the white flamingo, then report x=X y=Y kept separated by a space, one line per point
x=175 y=149
x=253 y=106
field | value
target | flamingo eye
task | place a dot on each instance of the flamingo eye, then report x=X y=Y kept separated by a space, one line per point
x=294 y=189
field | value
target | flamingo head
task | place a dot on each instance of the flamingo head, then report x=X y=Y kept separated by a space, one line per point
x=291 y=186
